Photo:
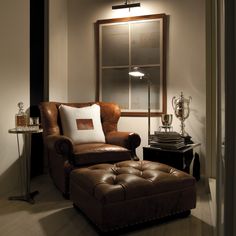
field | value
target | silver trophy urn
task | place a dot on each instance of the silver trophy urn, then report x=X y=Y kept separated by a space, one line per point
x=166 y=120
x=181 y=108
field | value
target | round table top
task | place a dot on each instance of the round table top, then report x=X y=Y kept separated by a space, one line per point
x=25 y=130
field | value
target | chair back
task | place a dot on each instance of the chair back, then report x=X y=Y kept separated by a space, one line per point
x=51 y=122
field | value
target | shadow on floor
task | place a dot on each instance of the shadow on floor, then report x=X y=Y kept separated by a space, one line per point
x=72 y=221
x=54 y=215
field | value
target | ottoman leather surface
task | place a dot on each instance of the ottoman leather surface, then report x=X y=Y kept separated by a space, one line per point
x=129 y=192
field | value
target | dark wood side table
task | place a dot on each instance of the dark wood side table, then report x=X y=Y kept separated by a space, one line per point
x=180 y=159
x=28 y=196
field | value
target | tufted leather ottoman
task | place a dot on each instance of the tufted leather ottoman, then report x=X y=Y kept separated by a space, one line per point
x=130 y=192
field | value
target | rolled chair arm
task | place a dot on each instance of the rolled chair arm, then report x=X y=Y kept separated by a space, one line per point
x=125 y=139
x=62 y=144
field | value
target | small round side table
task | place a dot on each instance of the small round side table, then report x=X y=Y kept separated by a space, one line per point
x=25 y=157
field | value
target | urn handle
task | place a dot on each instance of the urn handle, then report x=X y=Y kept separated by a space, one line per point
x=173 y=102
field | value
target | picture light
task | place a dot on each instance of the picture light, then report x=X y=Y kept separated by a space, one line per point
x=125 y=5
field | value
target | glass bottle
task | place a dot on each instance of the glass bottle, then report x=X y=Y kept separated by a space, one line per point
x=21 y=118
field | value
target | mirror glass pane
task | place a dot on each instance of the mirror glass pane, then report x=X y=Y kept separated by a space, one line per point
x=139 y=90
x=145 y=43
x=115 y=86
x=115 y=45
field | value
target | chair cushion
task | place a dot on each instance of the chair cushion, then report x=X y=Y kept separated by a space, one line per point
x=94 y=153
x=82 y=125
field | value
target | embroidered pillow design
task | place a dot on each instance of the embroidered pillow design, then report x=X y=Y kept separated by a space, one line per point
x=84 y=124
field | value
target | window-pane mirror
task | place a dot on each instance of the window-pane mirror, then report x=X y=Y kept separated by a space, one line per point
x=125 y=43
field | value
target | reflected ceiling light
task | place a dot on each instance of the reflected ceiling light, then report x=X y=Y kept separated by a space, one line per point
x=136 y=72
x=125 y=5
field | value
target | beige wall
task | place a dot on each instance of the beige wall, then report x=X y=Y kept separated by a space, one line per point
x=14 y=74
x=58 y=35
x=185 y=58
x=72 y=64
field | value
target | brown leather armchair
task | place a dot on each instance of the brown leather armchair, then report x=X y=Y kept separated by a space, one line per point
x=63 y=155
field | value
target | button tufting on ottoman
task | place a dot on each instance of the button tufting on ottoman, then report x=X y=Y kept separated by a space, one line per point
x=130 y=192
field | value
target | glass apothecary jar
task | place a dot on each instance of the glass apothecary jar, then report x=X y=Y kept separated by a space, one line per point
x=21 y=118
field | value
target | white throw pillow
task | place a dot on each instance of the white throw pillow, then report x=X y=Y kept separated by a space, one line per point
x=82 y=125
